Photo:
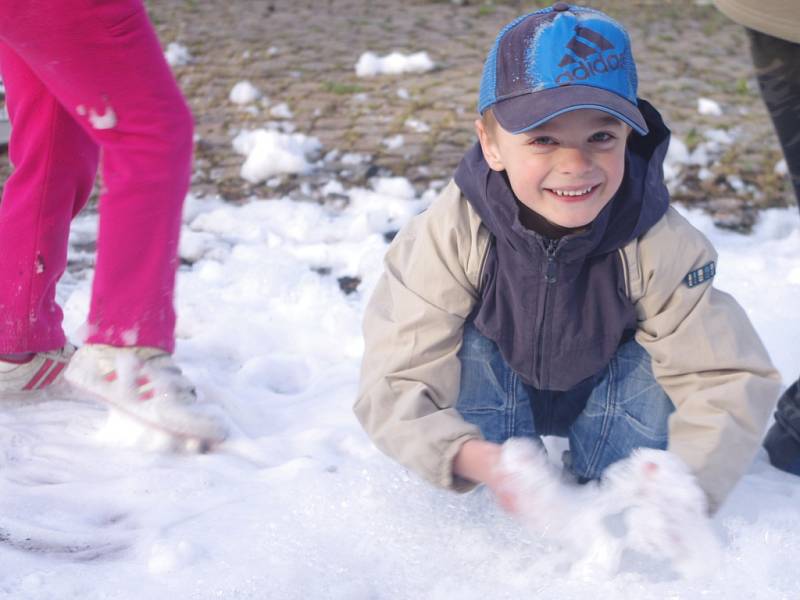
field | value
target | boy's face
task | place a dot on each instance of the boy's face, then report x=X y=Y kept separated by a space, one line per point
x=566 y=170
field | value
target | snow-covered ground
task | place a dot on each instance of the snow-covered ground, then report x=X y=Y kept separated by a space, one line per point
x=370 y=64
x=298 y=503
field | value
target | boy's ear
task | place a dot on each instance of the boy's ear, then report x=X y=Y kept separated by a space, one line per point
x=489 y=147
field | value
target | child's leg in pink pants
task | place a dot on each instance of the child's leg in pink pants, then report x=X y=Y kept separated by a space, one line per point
x=54 y=167
x=79 y=76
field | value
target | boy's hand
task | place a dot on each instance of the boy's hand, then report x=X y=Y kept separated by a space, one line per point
x=479 y=461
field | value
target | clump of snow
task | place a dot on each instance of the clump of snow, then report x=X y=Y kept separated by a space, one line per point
x=661 y=509
x=700 y=155
x=281 y=111
x=736 y=183
x=354 y=158
x=713 y=145
x=332 y=187
x=244 y=92
x=677 y=156
x=370 y=64
x=706 y=106
x=194 y=245
x=417 y=125
x=394 y=187
x=664 y=511
x=781 y=167
x=721 y=137
x=270 y=153
x=106 y=120
x=394 y=142
x=177 y=55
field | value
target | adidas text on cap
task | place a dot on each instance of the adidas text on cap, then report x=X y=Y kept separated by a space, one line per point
x=557 y=60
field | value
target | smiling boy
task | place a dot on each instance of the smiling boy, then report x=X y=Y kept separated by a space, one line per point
x=551 y=290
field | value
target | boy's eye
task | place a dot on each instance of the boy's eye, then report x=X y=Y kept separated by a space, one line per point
x=542 y=140
x=602 y=136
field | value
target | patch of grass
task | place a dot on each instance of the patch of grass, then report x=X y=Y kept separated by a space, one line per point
x=741 y=87
x=692 y=139
x=484 y=10
x=342 y=89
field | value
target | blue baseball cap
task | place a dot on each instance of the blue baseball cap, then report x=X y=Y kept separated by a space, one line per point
x=557 y=60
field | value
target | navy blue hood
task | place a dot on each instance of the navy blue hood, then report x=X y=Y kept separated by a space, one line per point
x=558 y=309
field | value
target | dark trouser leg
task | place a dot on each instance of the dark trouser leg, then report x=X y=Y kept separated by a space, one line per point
x=777 y=64
x=783 y=439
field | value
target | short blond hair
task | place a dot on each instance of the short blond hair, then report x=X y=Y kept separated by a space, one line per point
x=489 y=122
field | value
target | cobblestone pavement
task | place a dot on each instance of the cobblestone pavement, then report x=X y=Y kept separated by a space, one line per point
x=303 y=53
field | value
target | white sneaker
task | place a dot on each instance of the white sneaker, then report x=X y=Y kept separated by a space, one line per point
x=39 y=372
x=145 y=384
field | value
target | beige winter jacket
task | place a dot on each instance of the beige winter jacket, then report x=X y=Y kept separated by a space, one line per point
x=705 y=353
x=778 y=18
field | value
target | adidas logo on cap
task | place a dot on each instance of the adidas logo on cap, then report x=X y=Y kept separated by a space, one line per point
x=579 y=62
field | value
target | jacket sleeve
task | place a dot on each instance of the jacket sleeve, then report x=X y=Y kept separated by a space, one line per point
x=705 y=354
x=413 y=328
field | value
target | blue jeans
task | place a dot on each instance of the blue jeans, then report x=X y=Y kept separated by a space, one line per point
x=605 y=417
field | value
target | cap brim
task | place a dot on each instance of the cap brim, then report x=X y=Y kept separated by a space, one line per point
x=526 y=111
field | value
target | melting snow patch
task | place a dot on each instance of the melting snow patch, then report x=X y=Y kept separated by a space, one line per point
x=736 y=183
x=270 y=153
x=394 y=142
x=396 y=187
x=353 y=158
x=718 y=136
x=418 y=126
x=677 y=157
x=244 y=92
x=370 y=64
x=281 y=111
x=706 y=106
x=177 y=55
x=332 y=187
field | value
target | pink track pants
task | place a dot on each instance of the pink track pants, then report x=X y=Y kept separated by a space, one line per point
x=81 y=77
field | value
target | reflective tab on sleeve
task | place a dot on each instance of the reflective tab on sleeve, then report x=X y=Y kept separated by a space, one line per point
x=700 y=275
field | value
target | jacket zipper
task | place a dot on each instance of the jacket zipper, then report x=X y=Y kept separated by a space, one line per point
x=483 y=264
x=625 y=274
x=549 y=279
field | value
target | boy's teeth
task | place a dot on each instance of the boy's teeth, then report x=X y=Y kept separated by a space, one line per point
x=573 y=192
